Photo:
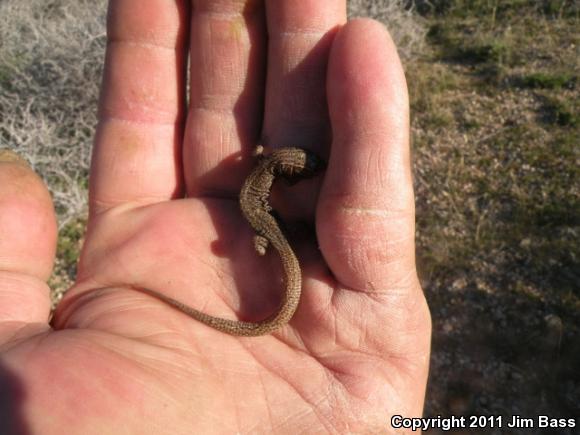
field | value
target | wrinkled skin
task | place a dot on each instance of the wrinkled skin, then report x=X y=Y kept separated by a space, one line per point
x=115 y=360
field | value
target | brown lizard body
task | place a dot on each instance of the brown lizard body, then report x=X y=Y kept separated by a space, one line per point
x=292 y=164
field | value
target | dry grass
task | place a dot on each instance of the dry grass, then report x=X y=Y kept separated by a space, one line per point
x=406 y=28
x=51 y=55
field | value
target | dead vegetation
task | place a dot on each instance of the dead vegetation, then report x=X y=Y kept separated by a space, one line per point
x=51 y=55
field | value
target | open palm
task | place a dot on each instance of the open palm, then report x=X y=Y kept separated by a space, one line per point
x=164 y=215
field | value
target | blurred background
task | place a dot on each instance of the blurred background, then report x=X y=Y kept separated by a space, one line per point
x=495 y=138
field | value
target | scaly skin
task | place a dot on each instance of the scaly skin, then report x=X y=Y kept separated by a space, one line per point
x=292 y=164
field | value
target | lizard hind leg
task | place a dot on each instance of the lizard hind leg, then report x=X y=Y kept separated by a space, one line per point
x=260 y=244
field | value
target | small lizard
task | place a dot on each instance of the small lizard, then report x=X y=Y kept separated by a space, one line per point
x=292 y=164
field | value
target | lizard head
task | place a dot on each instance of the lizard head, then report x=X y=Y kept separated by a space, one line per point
x=295 y=164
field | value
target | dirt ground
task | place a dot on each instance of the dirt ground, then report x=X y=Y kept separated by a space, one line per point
x=496 y=135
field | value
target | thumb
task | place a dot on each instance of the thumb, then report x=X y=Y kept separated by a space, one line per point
x=366 y=202
x=27 y=244
x=365 y=215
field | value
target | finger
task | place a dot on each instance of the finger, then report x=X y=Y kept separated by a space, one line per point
x=226 y=100
x=137 y=147
x=27 y=243
x=300 y=37
x=365 y=216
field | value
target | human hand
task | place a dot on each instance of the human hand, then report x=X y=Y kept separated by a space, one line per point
x=118 y=360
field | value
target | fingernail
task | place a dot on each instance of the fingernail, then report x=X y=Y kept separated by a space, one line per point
x=9 y=156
